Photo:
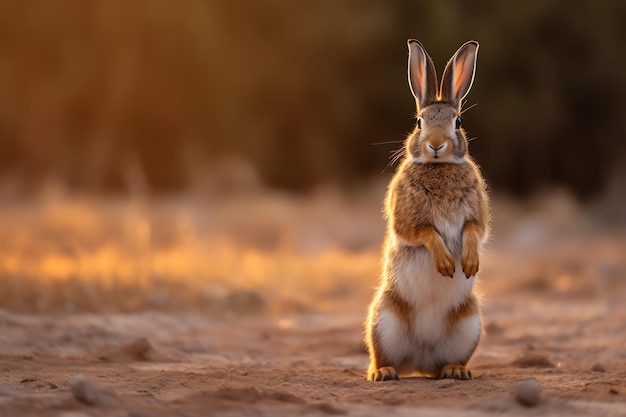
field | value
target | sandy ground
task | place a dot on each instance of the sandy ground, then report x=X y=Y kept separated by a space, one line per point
x=279 y=331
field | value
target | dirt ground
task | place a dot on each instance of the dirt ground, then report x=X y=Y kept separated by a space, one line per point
x=188 y=307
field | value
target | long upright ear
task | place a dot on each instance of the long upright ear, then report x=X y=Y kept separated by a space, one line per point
x=459 y=74
x=422 y=75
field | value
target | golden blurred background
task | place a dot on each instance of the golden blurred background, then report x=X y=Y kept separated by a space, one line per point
x=224 y=154
x=109 y=95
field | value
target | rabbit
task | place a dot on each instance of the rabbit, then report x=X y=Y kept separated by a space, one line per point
x=425 y=317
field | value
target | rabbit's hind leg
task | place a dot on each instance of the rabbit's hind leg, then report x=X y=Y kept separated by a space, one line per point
x=462 y=337
x=388 y=344
x=386 y=373
x=455 y=371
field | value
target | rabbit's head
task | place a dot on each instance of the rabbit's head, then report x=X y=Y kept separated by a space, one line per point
x=438 y=136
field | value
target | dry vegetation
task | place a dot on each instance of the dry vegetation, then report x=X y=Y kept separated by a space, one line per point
x=255 y=302
x=263 y=251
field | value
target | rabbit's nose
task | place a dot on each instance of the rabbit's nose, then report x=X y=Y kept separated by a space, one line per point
x=437 y=148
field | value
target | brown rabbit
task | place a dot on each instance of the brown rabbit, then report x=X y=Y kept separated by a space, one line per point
x=425 y=317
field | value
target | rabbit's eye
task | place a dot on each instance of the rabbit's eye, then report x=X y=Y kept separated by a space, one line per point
x=419 y=122
x=458 y=122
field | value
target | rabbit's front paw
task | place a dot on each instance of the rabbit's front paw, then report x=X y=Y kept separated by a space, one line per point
x=444 y=262
x=469 y=262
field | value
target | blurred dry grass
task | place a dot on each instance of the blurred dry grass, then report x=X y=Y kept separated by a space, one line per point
x=240 y=254
x=270 y=253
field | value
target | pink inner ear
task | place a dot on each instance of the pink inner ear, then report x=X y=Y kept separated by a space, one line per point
x=421 y=78
x=460 y=74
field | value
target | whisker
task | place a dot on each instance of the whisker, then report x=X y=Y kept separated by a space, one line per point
x=395 y=156
x=398 y=155
x=471 y=139
x=470 y=107
x=387 y=143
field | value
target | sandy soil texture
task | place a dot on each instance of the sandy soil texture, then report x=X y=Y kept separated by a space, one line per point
x=273 y=325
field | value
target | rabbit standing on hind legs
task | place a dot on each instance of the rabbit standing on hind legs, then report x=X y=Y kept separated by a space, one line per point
x=425 y=317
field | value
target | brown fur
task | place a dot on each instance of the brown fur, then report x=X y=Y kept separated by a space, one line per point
x=472 y=235
x=422 y=72
x=377 y=355
x=386 y=299
x=393 y=301
x=432 y=187
x=372 y=338
x=468 y=308
x=422 y=194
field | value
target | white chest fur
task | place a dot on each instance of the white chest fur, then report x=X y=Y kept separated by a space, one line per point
x=431 y=295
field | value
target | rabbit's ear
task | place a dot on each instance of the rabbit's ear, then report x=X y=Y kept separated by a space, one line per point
x=459 y=74
x=422 y=75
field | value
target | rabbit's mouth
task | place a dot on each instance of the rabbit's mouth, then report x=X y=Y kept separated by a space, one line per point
x=436 y=151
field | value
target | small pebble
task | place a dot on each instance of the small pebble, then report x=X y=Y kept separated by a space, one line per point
x=528 y=392
x=85 y=391
x=444 y=383
x=598 y=367
x=139 y=349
